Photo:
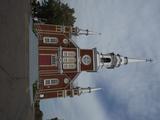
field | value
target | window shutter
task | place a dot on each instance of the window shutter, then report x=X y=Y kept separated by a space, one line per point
x=53 y=60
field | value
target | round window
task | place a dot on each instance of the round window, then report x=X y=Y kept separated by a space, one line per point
x=86 y=59
x=65 y=41
x=66 y=80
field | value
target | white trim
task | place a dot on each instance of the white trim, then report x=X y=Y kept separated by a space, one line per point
x=53 y=59
x=65 y=93
x=78 y=60
x=60 y=59
x=72 y=92
x=60 y=28
x=72 y=41
x=95 y=59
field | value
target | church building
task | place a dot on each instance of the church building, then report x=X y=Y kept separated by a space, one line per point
x=61 y=61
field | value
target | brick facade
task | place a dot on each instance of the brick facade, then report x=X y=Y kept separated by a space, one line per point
x=60 y=61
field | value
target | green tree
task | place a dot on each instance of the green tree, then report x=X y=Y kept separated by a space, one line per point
x=35 y=7
x=54 y=12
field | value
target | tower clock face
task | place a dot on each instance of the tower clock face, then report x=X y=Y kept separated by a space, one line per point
x=86 y=60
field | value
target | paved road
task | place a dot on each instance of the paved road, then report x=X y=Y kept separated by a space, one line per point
x=14 y=46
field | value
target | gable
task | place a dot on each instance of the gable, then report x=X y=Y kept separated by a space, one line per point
x=51 y=31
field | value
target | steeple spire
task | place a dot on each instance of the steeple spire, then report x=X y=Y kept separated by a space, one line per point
x=78 y=31
x=79 y=91
x=133 y=60
x=112 y=60
x=126 y=60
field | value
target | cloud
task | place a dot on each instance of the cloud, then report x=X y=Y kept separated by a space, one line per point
x=85 y=107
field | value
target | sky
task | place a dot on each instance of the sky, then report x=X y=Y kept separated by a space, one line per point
x=130 y=28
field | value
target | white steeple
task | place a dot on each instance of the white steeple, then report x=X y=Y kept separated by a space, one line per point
x=78 y=90
x=134 y=60
x=112 y=60
x=78 y=31
x=88 y=90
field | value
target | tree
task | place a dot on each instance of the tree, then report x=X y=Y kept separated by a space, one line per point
x=54 y=12
x=56 y=118
x=35 y=7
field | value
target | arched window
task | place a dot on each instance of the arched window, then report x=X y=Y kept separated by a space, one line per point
x=69 y=53
x=50 y=40
x=69 y=59
x=69 y=66
x=53 y=81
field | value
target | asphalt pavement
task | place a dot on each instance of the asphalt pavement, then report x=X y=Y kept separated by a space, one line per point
x=15 y=103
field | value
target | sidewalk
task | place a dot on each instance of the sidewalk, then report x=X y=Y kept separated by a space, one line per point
x=15 y=101
x=33 y=59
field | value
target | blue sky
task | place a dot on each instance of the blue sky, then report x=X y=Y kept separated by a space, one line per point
x=128 y=27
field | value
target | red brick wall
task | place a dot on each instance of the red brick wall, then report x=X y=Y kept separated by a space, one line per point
x=47 y=51
x=58 y=93
x=49 y=28
x=50 y=31
x=61 y=84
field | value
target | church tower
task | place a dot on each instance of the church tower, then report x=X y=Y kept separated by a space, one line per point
x=112 y=60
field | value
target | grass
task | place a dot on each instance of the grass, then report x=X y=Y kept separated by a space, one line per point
x=34 y=86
